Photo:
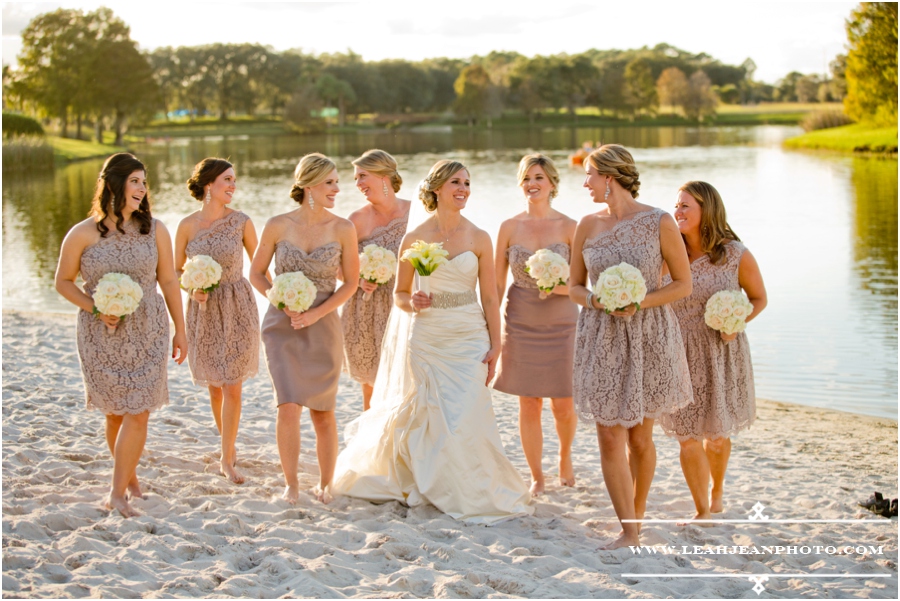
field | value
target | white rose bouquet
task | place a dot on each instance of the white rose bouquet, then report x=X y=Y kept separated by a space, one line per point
x=425 y=258
x=293 y=291
x=201 y=272
x=117 y=295
x=727 y=311
x=549 y=269
x=619 y=286
x=377 y=265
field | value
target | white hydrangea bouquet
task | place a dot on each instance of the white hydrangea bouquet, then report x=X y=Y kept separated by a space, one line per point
x=619 y=286
x=549 y=270
x=425 y=258
x=727 y=311
x=117 y=295
x=293 y=291
x=376 y=265
x=201 y=272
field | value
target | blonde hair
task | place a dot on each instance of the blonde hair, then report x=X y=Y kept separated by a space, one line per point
x=615 y=160
x=311 y=171
x=714 y=229
x=544 y=162
x=382 y=164
x=442 y=171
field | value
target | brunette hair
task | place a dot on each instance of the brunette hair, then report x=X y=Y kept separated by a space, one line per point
x=382 y=164
x=442 y=171
x=109 y=196
x=714 y=229
x=205 y=173
x=544 y=162
x=311 y=171
x=615 y=160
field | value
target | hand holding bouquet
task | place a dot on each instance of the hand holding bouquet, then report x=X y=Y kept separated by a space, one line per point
x=727 y=311
x=548 y=269
x=201 y=272
x=376 y=265
x=292 y=291
x=619 y=286
x=117 y=295
x=425 y=258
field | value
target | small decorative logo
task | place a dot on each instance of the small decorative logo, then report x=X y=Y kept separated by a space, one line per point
x=758 y=512
x=758 y=588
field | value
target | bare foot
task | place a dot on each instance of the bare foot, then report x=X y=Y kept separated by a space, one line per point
x=323 y=495
x=699 y=517
x=622 y=541
x=120 y=504
x=537 y=488
x=291 y=494
x=566 y=473
x=133 y=490
x=715 y=505
x=231 y=472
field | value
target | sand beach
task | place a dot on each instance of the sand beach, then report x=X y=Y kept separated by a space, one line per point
x=201 y=536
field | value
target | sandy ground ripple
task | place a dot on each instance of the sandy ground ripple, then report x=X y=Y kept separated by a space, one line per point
x=200 y=536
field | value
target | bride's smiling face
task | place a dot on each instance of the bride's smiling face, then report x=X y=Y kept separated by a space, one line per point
x=455 y=191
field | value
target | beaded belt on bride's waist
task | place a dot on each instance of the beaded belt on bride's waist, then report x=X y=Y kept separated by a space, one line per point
x=451 y=300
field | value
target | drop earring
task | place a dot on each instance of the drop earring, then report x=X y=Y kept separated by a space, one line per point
x=384 y=188
x=208 y=196
x=312 y=203
x=606 y=196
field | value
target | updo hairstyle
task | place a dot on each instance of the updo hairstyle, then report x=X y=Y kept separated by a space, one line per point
x=109 y=195
x=714 y=229
x=544 y=162
x=382 y=164
x=205 y=173
x=442 y=171
x=615 y=160
x=311 y=171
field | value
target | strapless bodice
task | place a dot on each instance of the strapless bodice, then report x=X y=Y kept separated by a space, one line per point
x=460 y=274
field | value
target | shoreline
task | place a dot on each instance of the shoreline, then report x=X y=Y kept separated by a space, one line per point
x=200 y=535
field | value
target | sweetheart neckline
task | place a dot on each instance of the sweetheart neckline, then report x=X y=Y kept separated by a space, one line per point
x=295 y=247
x=534 y=251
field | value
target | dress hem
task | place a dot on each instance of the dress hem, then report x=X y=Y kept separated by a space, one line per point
x=744 y=425
x=221 y=383
x=93 y=407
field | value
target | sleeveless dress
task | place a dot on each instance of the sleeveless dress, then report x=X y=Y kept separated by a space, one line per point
x=125 y=371
x=431 y=435
x=538 y=337
x=628 y=369
x=721 y=373
x=223 y=339
x=364 y=320
x=305 y=364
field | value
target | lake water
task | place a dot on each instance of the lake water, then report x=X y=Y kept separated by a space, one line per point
x=822 y=227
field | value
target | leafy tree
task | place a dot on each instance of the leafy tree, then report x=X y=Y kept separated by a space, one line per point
x=640 y=87
x=473 y=93
x=672 y=87
x=872 y=63
x=700 y=102
x=337 y=91
x=807 y=88
x=786 y=87
x=838 y=83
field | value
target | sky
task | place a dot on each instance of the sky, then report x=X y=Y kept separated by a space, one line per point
x=780 y=37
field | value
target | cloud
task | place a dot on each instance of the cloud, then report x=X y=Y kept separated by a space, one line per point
x=17 y=16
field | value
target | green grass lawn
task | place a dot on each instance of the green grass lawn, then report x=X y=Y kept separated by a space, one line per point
x=68 y=149
x=857 y=137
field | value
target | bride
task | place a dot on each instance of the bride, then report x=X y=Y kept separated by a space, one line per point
x=430 y=435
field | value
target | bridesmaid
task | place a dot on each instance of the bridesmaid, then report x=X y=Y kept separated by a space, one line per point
x=721 y=371
x=538 y=336
x=124 y=371
x=631 y=366
x=304 y=350
x=383 y=222
x=225 y=336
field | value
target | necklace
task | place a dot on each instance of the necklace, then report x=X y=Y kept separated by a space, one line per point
x=447 y=239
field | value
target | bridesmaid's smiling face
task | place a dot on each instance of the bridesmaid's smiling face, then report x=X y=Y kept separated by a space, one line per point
x=687 y=213
x=536 y=185
x=135 y=191
x=595 y=182
x=223 y=187
x=326 y=191
x=371 y=185
x=455 y=190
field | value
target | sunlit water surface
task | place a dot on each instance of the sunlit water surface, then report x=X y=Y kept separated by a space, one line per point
x=822 y=227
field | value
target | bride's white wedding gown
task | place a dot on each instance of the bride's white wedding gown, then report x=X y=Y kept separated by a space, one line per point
x=430 y=435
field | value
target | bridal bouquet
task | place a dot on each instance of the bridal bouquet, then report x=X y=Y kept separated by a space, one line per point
x=118 y=295
x=376 y=265
x=292 y=291
x=548 y=269
x=201 y=272
x=619 y=286
x=425 y=258
x=727 y=311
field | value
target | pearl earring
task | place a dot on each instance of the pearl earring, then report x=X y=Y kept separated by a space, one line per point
x=384 y=188
x=208 y=195
x=606 y=196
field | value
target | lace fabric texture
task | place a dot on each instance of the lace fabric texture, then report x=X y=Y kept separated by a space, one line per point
x=364 y=321
x=431 y=435
x=305 y=364
x=721 y=373
x=538 y=336
x=125 y=372
x=223 y=339
x=628 y=369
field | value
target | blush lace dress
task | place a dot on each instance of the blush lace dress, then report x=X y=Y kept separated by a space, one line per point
x=223 y=339
x=628 y=369
x=305 y=364
x=125 y=372
x=721 y=373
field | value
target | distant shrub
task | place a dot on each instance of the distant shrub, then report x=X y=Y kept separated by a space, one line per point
x=824 y=120
x=22 y=153
x=15 y=124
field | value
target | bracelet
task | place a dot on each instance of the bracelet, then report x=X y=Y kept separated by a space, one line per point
x=589 y=300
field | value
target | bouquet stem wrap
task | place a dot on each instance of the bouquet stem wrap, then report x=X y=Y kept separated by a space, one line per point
x=425 y=287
